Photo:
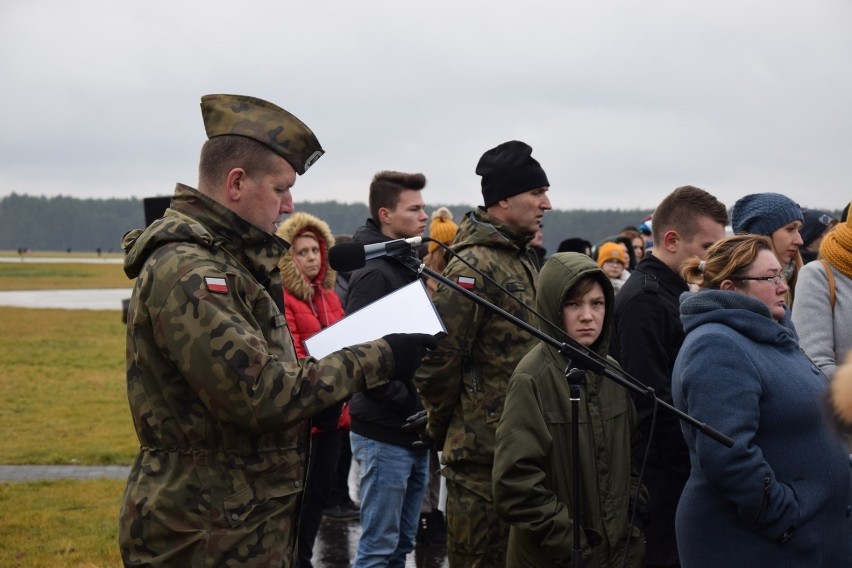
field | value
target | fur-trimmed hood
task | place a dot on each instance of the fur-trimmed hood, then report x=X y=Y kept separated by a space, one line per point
x=294 y=281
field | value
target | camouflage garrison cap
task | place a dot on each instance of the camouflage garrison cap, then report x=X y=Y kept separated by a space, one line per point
x=255 y=118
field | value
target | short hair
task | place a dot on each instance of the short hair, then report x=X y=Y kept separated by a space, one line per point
x=388 y=185
x=682 y=208
x=728 y=258
x=222 y=154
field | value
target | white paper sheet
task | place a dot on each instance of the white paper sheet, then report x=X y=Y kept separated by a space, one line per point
x=406 y=310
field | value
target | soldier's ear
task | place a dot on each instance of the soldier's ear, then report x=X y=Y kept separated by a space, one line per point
x=235 y=183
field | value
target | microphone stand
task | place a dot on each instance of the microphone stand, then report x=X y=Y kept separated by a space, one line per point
x=574 y=376
x=580 y=362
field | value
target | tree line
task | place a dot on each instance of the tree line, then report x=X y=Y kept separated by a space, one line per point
x=87 y=225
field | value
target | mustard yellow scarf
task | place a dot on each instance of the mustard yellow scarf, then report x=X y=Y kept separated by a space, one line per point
x=836 y=248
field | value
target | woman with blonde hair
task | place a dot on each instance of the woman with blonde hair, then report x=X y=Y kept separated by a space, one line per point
x=781 y=495
x=780 y=218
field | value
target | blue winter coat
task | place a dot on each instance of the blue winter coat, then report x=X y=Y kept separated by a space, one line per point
x=781 y=496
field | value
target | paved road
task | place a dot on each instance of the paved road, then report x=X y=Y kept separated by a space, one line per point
x=106 y=299
x=24 y=473
x=59 y=259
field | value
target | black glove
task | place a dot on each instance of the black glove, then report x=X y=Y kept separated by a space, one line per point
x=408 y=350
x=417 y=423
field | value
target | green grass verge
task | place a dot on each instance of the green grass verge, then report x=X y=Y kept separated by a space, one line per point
x=61 y=276
x=62 y=400
x=62 y=394
x=60 y=523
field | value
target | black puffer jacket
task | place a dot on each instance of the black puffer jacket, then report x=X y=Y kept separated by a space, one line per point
x=380 y=413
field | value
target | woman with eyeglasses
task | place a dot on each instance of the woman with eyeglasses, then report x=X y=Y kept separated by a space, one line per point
x=781 y=495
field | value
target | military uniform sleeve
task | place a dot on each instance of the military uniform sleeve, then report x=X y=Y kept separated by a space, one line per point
x=440 y=377
x=217 y=346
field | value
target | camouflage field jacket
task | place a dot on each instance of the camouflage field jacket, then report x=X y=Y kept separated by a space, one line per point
x=218 y=399
x=464 y=382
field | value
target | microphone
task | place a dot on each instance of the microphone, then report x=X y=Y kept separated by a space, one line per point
x=350 y=256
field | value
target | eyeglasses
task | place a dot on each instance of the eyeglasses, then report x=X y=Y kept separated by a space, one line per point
x=779 y=278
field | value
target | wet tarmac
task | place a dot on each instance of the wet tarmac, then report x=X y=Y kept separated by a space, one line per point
x=337 y=541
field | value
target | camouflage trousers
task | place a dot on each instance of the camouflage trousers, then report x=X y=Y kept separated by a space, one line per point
x=476 y=537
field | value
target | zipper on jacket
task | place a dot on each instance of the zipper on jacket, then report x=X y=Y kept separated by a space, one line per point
x=765 y=503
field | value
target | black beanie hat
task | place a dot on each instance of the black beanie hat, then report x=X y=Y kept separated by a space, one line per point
x=507 y=170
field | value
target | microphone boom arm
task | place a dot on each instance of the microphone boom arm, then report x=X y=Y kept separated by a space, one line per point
x=579 y=358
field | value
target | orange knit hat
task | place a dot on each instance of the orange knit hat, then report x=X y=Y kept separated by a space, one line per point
x=611 y=251
x=442 y=228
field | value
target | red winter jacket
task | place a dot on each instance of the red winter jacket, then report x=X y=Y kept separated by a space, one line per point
x=310 y=306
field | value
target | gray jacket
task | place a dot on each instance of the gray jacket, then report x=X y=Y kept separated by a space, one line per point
x=825 y=336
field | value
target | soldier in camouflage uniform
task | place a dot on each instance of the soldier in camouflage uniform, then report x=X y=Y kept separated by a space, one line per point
x=464 y=382
x=219 y=400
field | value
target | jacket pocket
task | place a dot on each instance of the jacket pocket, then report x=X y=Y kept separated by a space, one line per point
x=270 y=491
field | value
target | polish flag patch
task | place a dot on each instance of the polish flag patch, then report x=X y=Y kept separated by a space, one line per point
x=466 y=282
x=216 y=285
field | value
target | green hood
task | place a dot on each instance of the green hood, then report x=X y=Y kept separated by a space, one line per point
x=561 y=272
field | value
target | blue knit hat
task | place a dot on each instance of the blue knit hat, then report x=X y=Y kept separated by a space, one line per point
x=764 y=213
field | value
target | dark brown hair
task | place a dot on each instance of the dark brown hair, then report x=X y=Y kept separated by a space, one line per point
x=388 y=185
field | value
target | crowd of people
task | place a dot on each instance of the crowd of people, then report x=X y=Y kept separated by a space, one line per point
x=506 y=447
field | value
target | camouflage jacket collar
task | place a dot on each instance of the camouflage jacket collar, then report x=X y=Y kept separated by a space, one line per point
x=479 y=228
x=194 y=217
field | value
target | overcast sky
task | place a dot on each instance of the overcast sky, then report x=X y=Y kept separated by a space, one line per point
x=622 y=101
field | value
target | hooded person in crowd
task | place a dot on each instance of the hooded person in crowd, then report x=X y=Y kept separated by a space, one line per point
x=533 y=463
x=310 y=305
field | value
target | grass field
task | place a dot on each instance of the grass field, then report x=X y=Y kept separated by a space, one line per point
x=62 y=401
x=60 y=523
x=61 y=276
